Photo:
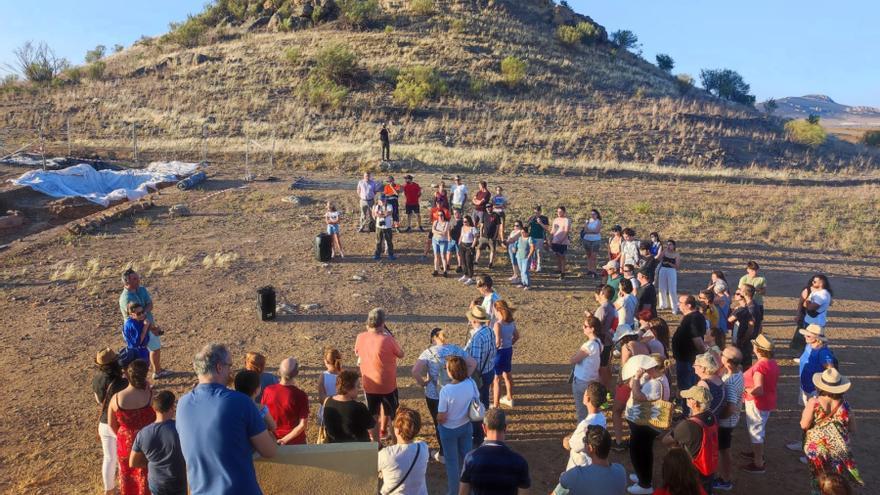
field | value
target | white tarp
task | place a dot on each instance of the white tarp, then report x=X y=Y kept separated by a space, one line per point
x=105 y=186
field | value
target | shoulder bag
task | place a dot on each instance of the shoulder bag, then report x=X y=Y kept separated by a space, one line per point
x=477 y=376
x=476 y=409
x=654 y=413
x=411 y=466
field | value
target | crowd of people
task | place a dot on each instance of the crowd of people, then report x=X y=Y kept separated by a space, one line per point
x=682 y=391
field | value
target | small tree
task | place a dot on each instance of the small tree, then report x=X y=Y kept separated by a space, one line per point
x=770 y=106
x=813 y=119
x=513 y=70
x=727 y=84
x=568 y=36
x=95 y=71
x=359 y=13
x=417 y=84
x=422 y=7
x=625 y=39
x=96 y=54
x=118 y=48
x=806 y=132
x=684 y=83
x=871 y=138
x=665 y=62
x=38 y=63
x=336 y=63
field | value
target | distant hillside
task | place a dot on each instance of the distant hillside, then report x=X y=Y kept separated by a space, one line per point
x=830 y=112
x=245 y=71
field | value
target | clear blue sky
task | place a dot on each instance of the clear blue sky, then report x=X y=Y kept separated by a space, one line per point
x=781 y=47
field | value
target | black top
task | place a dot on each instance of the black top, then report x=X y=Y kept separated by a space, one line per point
x=649 y=267
x=383 y=135
x=690 y=435
x=104 y=386
x=647 y=295
x=743 y=317
x=490 y=225
x=494 y=469
x=757 y=313
x=456 y=230
x=347 y=421
x=692 y=326
x=667 y=262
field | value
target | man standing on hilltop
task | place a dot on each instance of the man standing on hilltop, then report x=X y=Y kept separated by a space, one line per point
x=386 y=143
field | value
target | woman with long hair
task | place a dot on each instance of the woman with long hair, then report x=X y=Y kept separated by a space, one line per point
x=506 y=335
x=440 y=230
x=331 y=216
x=327 y=382
x=680 y=477
x=130 y=410
x=591 y=238
x=109 y=380
x=647 y=384
x=667 y=277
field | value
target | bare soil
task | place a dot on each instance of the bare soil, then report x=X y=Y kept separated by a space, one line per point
x=52 y=329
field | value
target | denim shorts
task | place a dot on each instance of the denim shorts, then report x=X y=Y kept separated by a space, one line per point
x=440 y=247
x=452 y=247
x=503 y=360
x=332 y=228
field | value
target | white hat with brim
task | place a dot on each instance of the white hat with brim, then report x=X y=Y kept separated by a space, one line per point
x=814 y=331
x=636 y=363
x=612 y=265
x=831 y=381
x=623 y=330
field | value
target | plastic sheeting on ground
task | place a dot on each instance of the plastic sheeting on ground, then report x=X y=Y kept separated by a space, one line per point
x=104 y=186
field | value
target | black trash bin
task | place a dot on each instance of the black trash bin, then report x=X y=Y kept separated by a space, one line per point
x=323 y=247
x=266 y=302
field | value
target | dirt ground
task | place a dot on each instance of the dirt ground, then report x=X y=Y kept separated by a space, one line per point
x=48 y=440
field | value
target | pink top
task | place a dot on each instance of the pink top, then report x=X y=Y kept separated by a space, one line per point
x=770 y=371
x=378 y=353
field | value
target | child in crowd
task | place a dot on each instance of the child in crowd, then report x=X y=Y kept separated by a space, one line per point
x=327 y=382
x=574 y=443
x=710 y=311
x=332 y=219
x=157 y=448
x=248 y=383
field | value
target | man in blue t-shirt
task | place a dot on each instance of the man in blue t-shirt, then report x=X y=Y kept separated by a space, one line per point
x=220 y=464
x=157 y=448
x=493 y=468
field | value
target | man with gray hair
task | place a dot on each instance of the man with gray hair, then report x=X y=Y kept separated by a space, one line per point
x=378 y=352
x=288 y=405
x=493 y=467
x=220 y=429
x=133 y=291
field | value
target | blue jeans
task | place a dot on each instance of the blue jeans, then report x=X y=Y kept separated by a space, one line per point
x=511 y=251
x=488 y=378
x=578 y=389
x=685 y=378
x=523 y=269
x=456 y=443
x=440 y=247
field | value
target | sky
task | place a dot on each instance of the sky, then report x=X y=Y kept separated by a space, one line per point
x=781 y=47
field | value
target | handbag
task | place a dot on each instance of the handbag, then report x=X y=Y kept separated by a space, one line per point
x=411 y=466
x=476 y=409
x=653 y=413
x=322 y=429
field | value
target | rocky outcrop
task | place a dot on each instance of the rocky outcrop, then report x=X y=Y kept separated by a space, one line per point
x=565 y=16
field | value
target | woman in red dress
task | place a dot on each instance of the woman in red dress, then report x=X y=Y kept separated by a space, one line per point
x=129 y=411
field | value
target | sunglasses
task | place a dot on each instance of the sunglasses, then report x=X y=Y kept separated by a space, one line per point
x=139 y=313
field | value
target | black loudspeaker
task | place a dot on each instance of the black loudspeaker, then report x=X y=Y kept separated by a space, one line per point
x=266 y=302
x=323 y=247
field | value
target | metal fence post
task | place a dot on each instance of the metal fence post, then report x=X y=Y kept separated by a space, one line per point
x=134 y=143
x=69 y=147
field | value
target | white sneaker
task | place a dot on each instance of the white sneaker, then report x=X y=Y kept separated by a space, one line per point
x=439 y=458
x=506 y=401
x=640 y=490
x=797 y=360
x=795 y=446
x=634 y=478
x=469 y=281
x=463 y=278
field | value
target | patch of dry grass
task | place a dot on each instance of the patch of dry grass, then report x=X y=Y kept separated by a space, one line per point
x=220 y=260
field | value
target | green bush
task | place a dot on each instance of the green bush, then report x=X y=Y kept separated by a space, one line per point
x=38 y=63
x=727 y=84
x=478 y=85
x=359 y=13
x=417 y=84
x=422 y=7
x=589 y=32
x=187 y=33
x=513 y=70
x=95 y=71
x=804 y=132
x=323 y=92
x=73 y=75
x=458 y=25
x=389 y=29
x=568 y=35
x=96 y=54
x=625 y=39
x=871 y=138
x=665 y=62
x=336 y=63
x=642 y=208
x=293 y=55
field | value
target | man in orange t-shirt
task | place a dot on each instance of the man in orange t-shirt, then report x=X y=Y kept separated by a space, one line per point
x=378 y=352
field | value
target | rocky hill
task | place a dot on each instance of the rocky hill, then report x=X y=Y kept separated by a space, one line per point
x=248 y=76
x=830 y=112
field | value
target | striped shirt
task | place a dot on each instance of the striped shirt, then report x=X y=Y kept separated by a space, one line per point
x=481 y=347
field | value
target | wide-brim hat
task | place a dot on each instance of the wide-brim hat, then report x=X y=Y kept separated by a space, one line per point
x=815 y=331
x=105 y=356
x=623 y=330
x=831 y=381
x=477 y=313
x=636 y=363
x=762 y=342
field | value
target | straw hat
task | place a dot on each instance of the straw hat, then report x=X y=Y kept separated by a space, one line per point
x=623 y=330
x=477 y=313
x=815 y=331
x=697 y=393
x=636 y=363
x=762 y=342
x=831 y=381
x=105 y=356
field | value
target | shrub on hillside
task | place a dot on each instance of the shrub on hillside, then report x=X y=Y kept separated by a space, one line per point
x=684 y=83
x=72 y=75
x=96 y=54
x=568 y=36
x=359 y=13
x=187 y=33
x=804 y=132
x=727 y=84
x=665 y=62
x=770 y=106
x=625 y=39
x=38 y=63
x=324 y=92
x=589 y=32
x=477 y=85
x=422 y=7
x=513 y=70
x=336 y=63
x=293 y=55
x=871 y=138
x=95 y=71
x=118 y=48
x=417 y=84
